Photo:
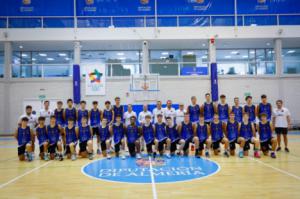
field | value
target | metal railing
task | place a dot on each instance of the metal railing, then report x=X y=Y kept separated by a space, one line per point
x=147 y=21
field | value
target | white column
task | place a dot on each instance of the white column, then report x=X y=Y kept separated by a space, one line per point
x=278 y=56
x=145 y=57
x=77 y=52
x=212 y=53
x=5 y=114
x=7 y=59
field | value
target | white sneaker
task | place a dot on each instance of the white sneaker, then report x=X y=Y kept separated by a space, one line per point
x=73 y=157
x=168 y=155
x=138 y=156
x=108 y=156
x=123 y=157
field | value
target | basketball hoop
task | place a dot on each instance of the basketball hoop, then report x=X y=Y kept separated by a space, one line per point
x=145 y=86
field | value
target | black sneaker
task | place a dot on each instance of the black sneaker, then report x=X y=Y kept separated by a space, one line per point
x=61 y=158
x=286 y=150
x=278 y=149
x=197 y=155
x=154 y=155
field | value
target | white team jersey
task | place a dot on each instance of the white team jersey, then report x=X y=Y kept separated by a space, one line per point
x=142 y=115
x=156 y=112
x=280 y=116
x=32 y=120
x=47 y=114
x=127 y=117
x=170 y=113
x=180 y=116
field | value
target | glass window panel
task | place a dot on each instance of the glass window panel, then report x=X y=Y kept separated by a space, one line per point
x=51 y=57
x=197 y=56
x=164 y=56
x=57 y=70
x=291 y=60
x=91 y=22
x=125 y=69
x=167 y=69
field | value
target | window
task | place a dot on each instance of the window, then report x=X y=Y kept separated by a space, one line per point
x=1 y=64
x=245 y=61
x=118 y=63
x=42 y=64
x=178 y=62
x=291 y=60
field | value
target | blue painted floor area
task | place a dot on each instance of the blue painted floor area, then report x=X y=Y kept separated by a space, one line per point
x=164 y=170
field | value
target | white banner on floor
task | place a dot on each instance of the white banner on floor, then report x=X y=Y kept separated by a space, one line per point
x=95 y=79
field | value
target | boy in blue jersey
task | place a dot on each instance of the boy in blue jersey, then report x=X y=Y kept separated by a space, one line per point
x=237 y=110
x=173 y=135
x=118 y=108
x=25 y=138
x=117 y=131
x=105 y=138
x=202 y=130
x=194 y=110
x=187 y=133
x=265 y=130
x=147 y=131
x=41 y=134
x=108 y=113
x=161 y=136
x=207 y=109
x=264 y=107
x=247 y=136
x=59 y=113
x=85 y=137
x=250 y=109
x=82 y=112
x=55 y=132
x=217 y=136
x=232 y=128
x=222 y=109
x=71 y=137
x=133 y=134
x=95 y=120
x=70 y=112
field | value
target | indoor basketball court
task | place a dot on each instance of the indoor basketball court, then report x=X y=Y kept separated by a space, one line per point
x=150 y=99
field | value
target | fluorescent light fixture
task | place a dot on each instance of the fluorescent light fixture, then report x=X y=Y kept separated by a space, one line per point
x=227 y=56
x=50 y=59
x=67 y=58
x=268 y=44
x=43 y=54
x=162 y=57
x=203 y=44
x=190 y=53
x=120 y=54
x=122 y=58
x=234 y=52
x=245 y=56
x=33 y=59
x=62 y=54
x=204 y=57
x=20 y=47
x=165 y=53
x=252 y=52
x=24 y=55
x=291 y=51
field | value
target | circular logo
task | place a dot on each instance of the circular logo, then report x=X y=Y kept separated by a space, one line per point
x=163 y=170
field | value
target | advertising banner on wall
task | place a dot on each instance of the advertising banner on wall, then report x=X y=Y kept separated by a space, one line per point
x=114 y=7
x=95 y=79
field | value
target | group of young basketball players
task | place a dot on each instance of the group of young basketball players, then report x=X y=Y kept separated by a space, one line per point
x=166 y=131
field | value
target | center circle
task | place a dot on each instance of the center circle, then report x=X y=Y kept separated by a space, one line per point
x=164 y=170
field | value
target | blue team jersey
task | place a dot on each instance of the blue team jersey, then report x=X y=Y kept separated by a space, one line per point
x=223 y=112
x=232 y=130
x=41 y=134
x=118 y=111
x=118 y=132
x=70 y=135
x=107 y=114
x=251 y=111
x=202 y=132
x=84 y=133
x=59 y=116
x=265 y=108
x=132 y=133
x=148 y=133
x=160 y=131
x=24 y=136
x=216 y=131
x=172 y=133
x=194 y=112
x=81 y=114
x=70 y=113
x=53 y=134
x=186 y=130
x=104 y=133
x=238 y=113
x=95 y=117
x=246 y=131
x=208 y=112
x=265 y=131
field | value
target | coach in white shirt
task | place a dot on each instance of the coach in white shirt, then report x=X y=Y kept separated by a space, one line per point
x=128 y=114
x=170 y=111
x=142 y=114
x=180 y=114
x=32 y=119
x=46 y=112
x=282 y=122
x=158 y=111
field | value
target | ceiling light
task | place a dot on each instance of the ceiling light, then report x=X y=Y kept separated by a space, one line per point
x=67 y=58
x=227 y=56
x=252 y=52
x=203 y=44
x=291 y=51
x=33 y=59
x=120 y=54
x=62 y=54
x=234 y=52
x=190 y=53
x=122 y=58
x=43 y=54
x=24 y=55
x=20 y=47
x=268 y=44
x=165 y=53
x=245 y=56
x=162 y=57
x=204 y=57
x=50 y=59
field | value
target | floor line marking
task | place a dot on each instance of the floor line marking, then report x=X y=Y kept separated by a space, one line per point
x=277 y=169
x=152 y=180
x=24 y=174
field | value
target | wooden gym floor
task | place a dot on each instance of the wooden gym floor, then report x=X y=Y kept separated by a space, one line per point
x=237 y=178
